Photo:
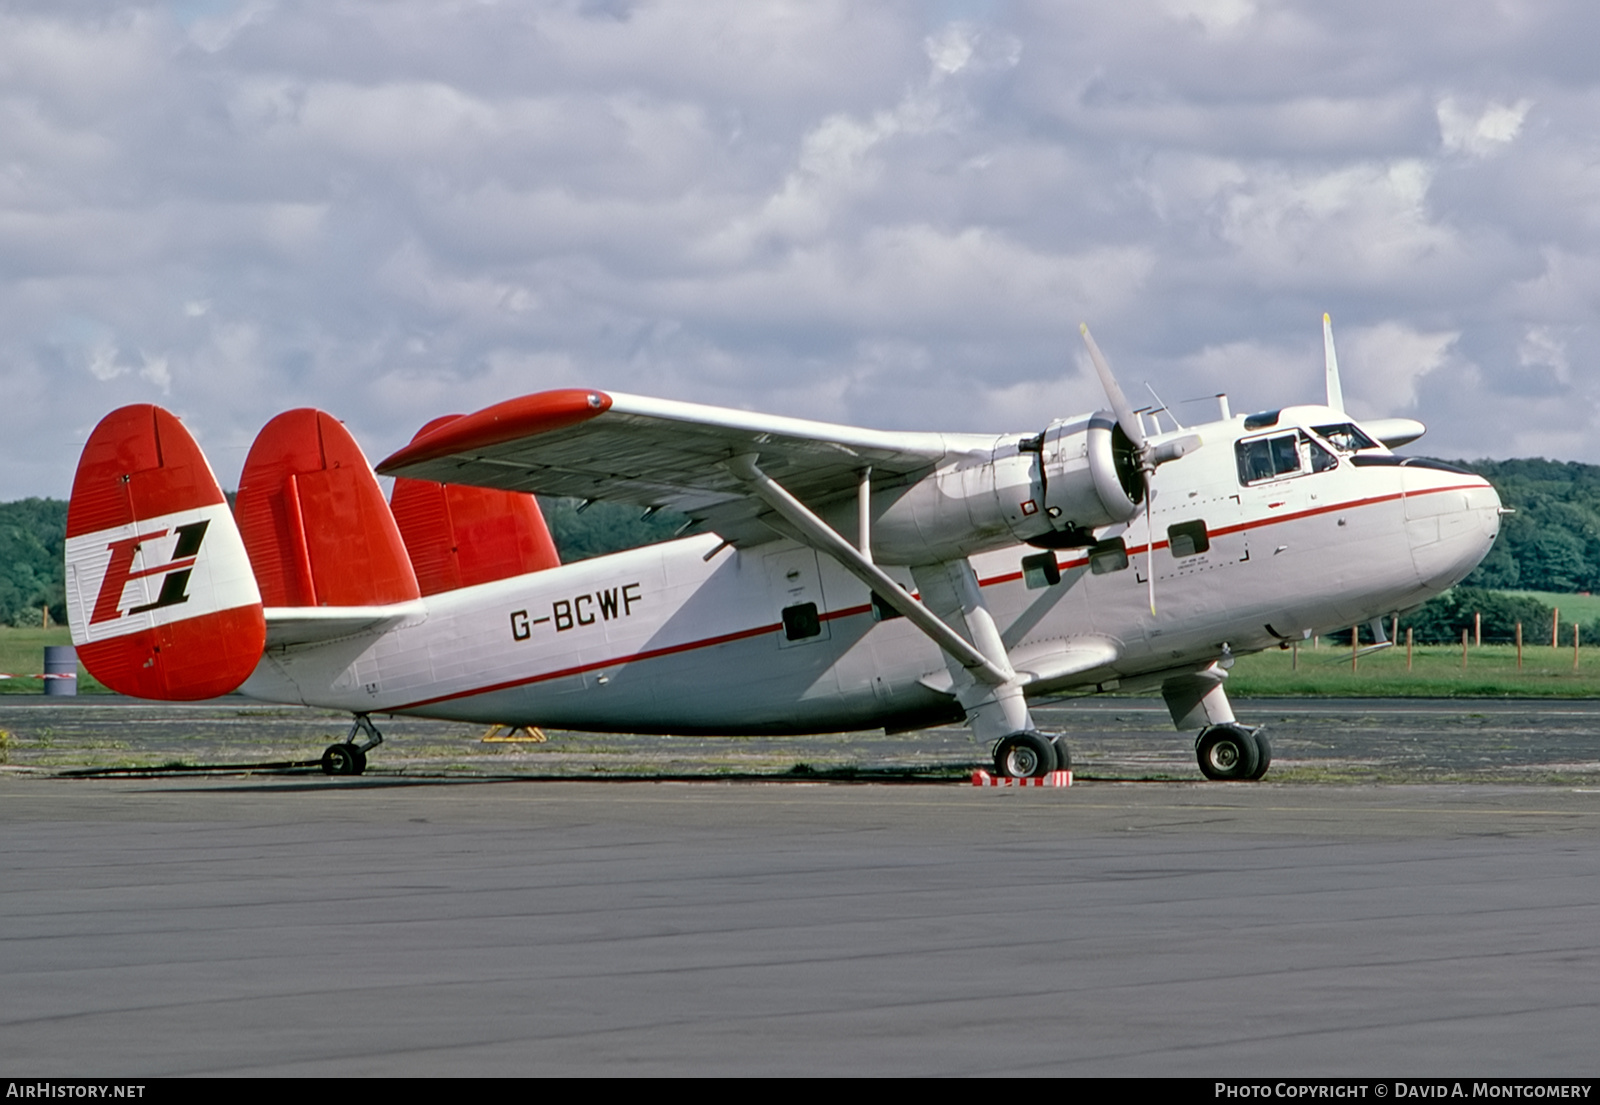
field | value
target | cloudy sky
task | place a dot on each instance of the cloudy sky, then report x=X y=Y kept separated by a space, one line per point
x=888 y=214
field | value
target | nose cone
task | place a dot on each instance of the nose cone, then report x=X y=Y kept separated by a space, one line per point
x=1452 y=520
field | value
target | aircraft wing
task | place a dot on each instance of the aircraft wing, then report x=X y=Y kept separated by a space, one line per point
x=659 y=453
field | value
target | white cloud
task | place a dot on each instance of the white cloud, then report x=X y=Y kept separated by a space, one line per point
x=1382 y=366
x=1214 y=15
x=869 y=212
x=1483 y=132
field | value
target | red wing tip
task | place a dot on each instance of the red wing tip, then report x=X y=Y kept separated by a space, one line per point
x=525 y=416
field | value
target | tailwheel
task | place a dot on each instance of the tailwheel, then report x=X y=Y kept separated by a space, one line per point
x=350 y=758
x=1231 y=751
x=344 y=759
x=1024 y=756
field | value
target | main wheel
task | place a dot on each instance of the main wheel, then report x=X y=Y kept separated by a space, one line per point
x=1063 y=753
x=1264 y=751
x=343 y=759
x=1228 y=752
x=1024 y=756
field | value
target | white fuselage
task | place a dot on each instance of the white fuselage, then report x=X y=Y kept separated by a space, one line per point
x=687 y=637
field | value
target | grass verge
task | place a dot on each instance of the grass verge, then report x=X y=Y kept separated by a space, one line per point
x=1435 y=671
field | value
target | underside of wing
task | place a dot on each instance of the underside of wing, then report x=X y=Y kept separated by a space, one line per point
x=658 y=453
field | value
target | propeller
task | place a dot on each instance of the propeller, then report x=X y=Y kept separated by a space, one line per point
x=1143 y=455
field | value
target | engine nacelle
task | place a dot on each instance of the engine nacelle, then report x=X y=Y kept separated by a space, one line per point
x=1051 y=490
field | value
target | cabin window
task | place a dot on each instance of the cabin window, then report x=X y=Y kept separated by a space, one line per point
x=1345 y=437
x=1187 y=539
x=1040 y=571
x=1268 y=458
x=801 y=621
x=1272 y=458
x=1108 y=556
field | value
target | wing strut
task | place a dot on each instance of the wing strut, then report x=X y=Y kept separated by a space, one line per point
x=820 y=535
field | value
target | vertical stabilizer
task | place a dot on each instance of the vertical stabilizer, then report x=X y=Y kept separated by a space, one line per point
x=160 y=594
x=1330 y=364
x=459 y=536
x=314 y=520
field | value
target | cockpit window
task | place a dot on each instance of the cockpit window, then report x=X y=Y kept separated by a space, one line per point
x=1345 y=437
x=1273 y=458
x=1321 y=460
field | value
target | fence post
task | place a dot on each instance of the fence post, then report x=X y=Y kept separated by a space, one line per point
x=1355 y=646
x=1574 y=646
x=1408 y=648
x=1555 y=626
x=1463 y=649
x=1477 y=629
x=1519 y=646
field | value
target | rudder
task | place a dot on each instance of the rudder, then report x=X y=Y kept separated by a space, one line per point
x=160 y=596
x=315 y=524
x=458 y=536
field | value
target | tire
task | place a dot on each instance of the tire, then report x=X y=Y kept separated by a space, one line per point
x=342 y=759
x=1063 y=753
x=1228 y=752
x=1263 y=752
x=1024 y=756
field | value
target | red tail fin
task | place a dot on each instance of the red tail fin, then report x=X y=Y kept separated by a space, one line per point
x=314 y=520
x=458 y=536
x=159 y=592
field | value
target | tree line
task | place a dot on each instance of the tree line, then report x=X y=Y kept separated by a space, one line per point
x=1550 y=543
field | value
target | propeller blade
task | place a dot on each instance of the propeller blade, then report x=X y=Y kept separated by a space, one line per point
x=1330 y=363
x=1119 y=402
x=1150 y=543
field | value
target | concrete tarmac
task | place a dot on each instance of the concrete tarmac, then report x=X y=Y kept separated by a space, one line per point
x=496 y=926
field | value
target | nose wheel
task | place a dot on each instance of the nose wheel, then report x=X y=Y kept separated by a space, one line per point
x=348 y=757
x=1233 y=752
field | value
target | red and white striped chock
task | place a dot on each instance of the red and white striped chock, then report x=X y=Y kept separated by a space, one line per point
x=982 y=778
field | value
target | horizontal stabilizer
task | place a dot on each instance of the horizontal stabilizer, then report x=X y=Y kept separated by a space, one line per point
x=310 y=625
x=314 y=519
x=458 y=536
x=1394 y=432
x=160 y=595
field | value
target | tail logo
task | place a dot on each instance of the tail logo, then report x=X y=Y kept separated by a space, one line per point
x=119 y=572
x=155 y=571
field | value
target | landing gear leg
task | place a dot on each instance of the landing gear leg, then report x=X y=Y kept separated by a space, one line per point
x=350 y=758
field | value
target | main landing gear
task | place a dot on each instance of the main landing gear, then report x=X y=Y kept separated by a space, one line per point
x=350 y=758
x=1030 y=754
x=1233 y=751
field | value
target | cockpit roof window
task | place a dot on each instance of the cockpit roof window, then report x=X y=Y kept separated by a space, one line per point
x=1346 y=437
x=1261 y=421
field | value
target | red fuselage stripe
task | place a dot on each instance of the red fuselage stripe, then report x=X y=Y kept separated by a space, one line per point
x=852 y=611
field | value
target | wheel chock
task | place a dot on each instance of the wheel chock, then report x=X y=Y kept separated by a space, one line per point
x=982 y=778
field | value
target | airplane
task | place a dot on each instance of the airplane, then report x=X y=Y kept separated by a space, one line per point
x=835 y=579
